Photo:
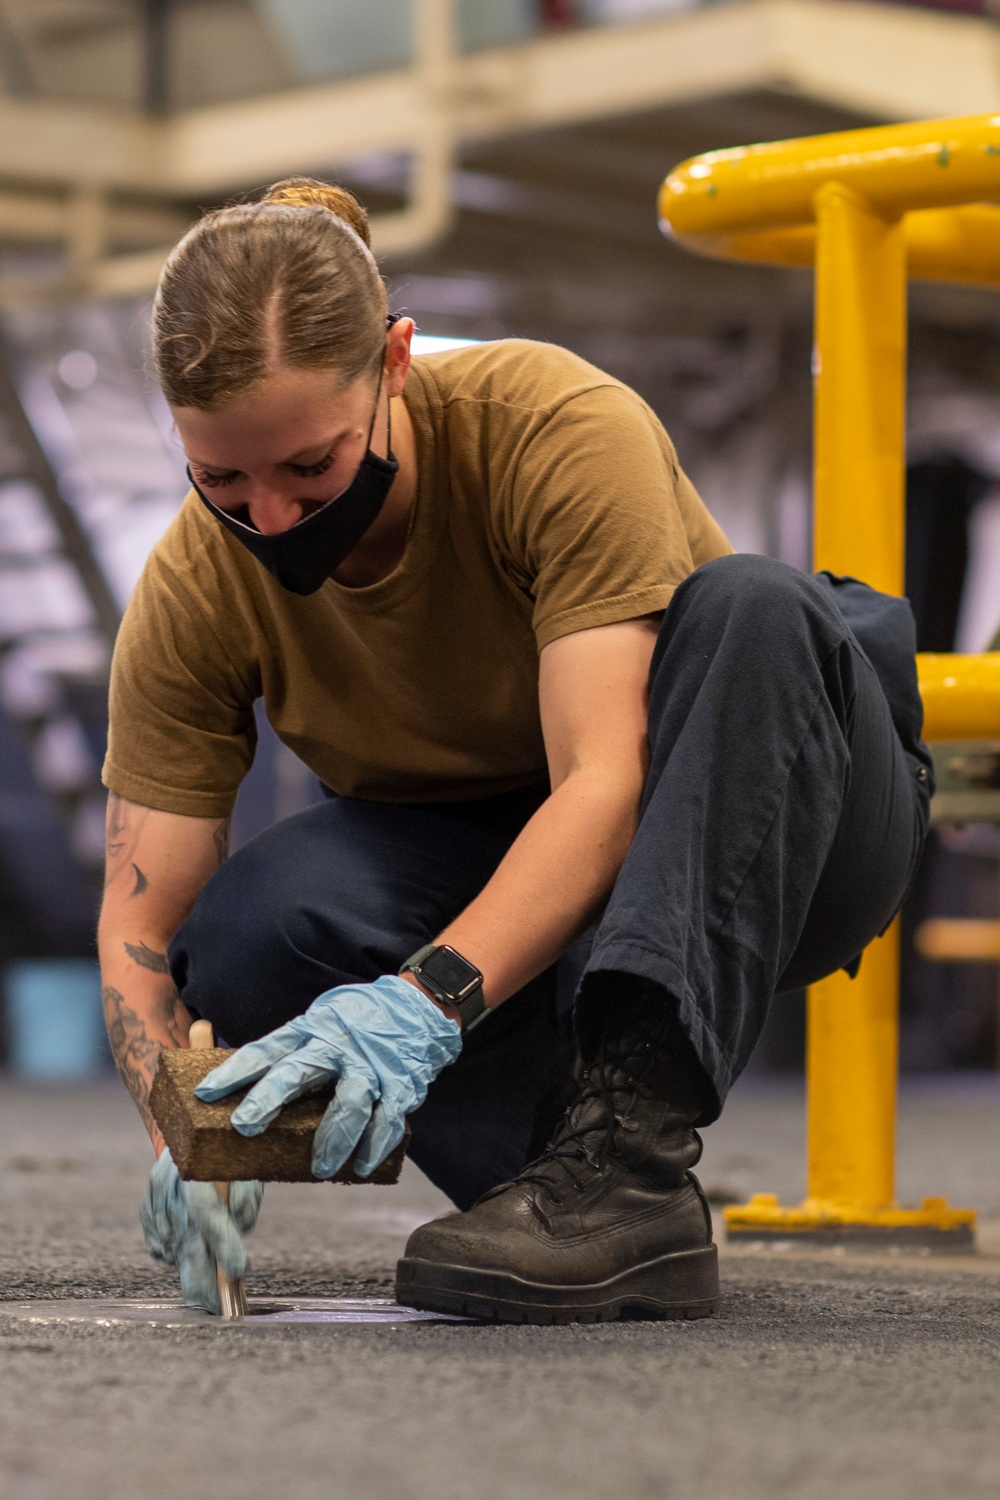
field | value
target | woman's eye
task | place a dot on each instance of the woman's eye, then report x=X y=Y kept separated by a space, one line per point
x=311 y=471
x=215 y=481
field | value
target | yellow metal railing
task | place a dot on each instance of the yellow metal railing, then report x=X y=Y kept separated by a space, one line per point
x=866 y=208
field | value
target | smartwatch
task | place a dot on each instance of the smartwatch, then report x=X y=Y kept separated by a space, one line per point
x=451 y=979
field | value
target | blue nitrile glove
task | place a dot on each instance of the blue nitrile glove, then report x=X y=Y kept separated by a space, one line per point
x=383 y=1043
x=187 y=1225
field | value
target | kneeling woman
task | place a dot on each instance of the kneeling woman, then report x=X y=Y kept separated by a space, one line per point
x=596 y=788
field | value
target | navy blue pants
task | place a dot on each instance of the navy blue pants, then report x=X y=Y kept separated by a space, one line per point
x=783 y=816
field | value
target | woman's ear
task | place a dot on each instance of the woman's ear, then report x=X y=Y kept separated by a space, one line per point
x=397 y=355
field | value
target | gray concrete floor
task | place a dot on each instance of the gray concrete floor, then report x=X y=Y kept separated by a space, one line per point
x=822 y=1377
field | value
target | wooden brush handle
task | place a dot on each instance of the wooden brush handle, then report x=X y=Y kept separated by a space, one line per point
x=232 y=1298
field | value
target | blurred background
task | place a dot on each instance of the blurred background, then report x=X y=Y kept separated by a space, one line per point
x=509 y=152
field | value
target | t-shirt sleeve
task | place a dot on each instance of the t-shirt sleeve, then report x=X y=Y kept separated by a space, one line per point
x=593 y=517
x=181 y=732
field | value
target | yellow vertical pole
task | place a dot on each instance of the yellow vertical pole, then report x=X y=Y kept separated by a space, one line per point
x=851 y=1047
x=860 y=390
x=859 y=521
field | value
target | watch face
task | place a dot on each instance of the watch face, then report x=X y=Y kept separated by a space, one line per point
x=450 y=971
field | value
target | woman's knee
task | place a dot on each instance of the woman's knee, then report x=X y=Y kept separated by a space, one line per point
x=757 y=602
x=744 y=579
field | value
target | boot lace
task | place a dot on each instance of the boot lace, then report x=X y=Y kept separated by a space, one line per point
x=582 y=1140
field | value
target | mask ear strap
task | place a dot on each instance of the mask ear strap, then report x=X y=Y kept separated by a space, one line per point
x=392 y=318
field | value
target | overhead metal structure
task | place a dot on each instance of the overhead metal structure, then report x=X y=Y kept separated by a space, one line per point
x=156 y=90
x=116 y=186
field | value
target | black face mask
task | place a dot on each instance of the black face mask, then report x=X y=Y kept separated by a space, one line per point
x=303 y=557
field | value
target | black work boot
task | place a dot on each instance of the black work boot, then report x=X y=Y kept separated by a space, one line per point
x=609 y=1220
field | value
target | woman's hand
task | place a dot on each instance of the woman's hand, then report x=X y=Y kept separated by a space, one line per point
x=187 y=1225
x=383 y=1043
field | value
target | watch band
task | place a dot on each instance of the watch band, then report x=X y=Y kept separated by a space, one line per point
x=472 y=1010
x=467 y=999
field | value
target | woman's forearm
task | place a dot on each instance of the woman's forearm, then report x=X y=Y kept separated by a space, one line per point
x=156 y=864
x=143 y=1013
x=551 y=884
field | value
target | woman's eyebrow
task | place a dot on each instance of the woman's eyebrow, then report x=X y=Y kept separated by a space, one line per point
x=322 y=448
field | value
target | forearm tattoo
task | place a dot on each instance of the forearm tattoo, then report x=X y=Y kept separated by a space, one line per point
x=135 y=1052
x=148 y=958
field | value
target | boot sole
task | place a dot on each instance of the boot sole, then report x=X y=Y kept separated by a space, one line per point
x=682 y=1285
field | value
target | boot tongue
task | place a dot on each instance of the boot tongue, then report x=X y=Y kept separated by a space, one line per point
x=589 y=1110
x=600 y=1108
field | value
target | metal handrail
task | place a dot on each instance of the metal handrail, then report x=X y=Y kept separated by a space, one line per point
x=759 y=203
x=866 y=208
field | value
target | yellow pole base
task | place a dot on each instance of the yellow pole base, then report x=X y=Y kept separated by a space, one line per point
x=822 y=1221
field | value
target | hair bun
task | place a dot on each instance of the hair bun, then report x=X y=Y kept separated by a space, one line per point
x=306 y=192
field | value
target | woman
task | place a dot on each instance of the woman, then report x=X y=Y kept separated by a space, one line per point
x=595 y=785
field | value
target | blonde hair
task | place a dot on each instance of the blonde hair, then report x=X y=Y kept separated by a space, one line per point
x=289 y=281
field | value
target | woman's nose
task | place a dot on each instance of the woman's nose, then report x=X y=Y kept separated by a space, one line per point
x=271 y=512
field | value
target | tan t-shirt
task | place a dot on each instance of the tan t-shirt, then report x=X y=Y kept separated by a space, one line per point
x=549 y=500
